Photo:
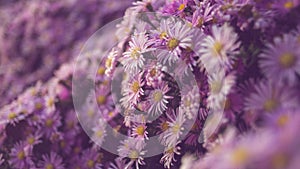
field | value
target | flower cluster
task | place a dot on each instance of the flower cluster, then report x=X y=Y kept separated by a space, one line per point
x=206 y=83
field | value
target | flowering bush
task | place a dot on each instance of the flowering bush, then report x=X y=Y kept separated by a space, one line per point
x=173 y=84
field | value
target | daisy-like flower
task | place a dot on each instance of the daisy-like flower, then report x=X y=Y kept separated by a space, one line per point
x=203 y=15
x=158 y=99
x=51 y=123
x=281 y=60
x=91 y=159
x=99 y=132
x=219 y=49
x=33 y=139
x=190 y=103
x=173 y=133
x=139 y=131
x=177 y=37
x=133 y=91
x=133 y=59
x=169 y=155
x=50 y=102
x=20 y=156
x=220 y=86
x=270 y=97
x=132 y=148
x=103 y=97
x=51 y=161
x=111 y=62
x=175 y=7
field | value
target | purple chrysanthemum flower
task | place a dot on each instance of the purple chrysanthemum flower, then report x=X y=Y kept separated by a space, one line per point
x=203 y=15
x=51 y=123
x=175 y=128
x=133 y=90
x=270 y=97
x=132 y=148
x=91 y=159
x=133 y=59
x=52 y=161
x=169 y=155
x=281 y=60
x=158 y=99
x=178 y=37
x=20 y=156
x=139 y=131
x=99 y=132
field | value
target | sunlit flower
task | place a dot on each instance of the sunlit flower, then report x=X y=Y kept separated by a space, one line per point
x=139 y=131
x=133 y=59
x=218 y=50
x=169 y=155
x=132 y=148
x=175 y=129
x=133 y=90
x=158 y=99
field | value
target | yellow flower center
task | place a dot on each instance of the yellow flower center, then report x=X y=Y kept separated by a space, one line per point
x=240 y=156
x=282 y=120
x=187 y=102
x=99 y=133
x=153 y=72
x=287 y=60
x=157 y=96
x=49 y=122
x=21 y=155
x=170 y=150
x=12 y=115
x=90 y=163
x=140 y=130
x=101 y=99
x=163 y=35
x=135 y=86
x=216 y=87
x=200 y=22
x=288 y=5
x=91 y=113
x=270 y=104
x=181 y=7
x=108 y=62
x=101 y=71
x=164 y=126
x=135 y=53
x=173 y=43
x=31 y=140
x=50 y=102
x=218 y=46
x=110 y=114
x=38 y=106
x=176 y=128
x=49 y=166
x=133 y=155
